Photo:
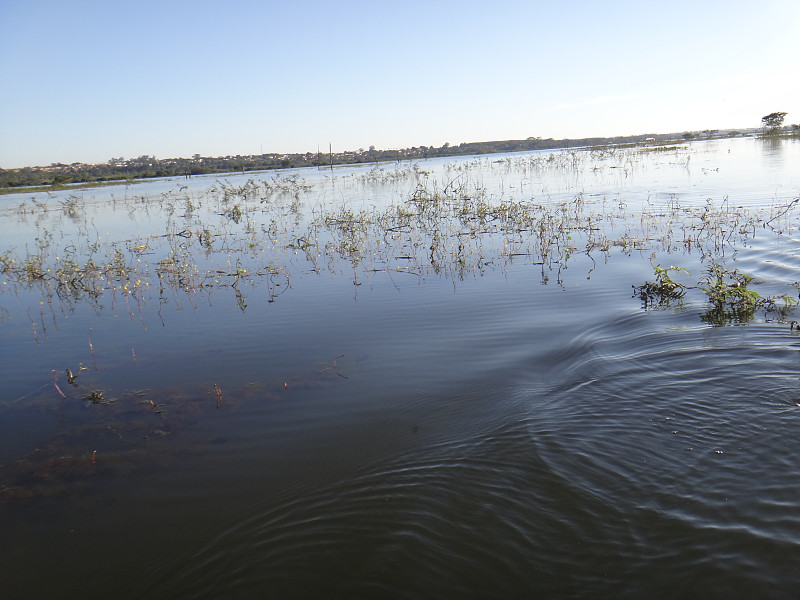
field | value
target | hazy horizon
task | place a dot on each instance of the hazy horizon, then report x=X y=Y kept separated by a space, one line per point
x=89 y=81
x=325 y=151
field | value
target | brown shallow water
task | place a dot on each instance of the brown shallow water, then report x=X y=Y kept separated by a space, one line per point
x=421 y=413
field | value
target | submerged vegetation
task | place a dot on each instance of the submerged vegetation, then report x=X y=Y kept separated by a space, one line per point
x=238 y=240
x=255 y=235
x=664 y=290
x=732 y=301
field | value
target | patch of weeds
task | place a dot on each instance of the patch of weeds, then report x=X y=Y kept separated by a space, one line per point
x=728 y=291
x=732 y=301
x=234 y=213
x=6 y=262
x=72 y=206
x=664 y=290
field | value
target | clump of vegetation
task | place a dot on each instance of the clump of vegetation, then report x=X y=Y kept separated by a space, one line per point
x=773 y=122
x=728 y=291
x=731 y=298
x=664 y=290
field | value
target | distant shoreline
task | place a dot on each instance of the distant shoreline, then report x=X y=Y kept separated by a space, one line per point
x=120 y=171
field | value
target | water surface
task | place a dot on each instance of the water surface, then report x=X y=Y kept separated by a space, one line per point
x=434 y=380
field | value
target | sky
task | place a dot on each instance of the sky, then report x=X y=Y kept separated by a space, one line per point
x=87 y=81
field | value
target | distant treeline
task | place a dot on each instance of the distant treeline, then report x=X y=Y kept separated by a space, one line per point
x=120 y=169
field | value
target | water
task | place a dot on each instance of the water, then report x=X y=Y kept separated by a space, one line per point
x=469 y=402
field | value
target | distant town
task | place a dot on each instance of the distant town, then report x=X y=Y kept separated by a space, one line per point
x=120 y=169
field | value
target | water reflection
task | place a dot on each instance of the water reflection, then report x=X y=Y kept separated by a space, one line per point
x=773 y=153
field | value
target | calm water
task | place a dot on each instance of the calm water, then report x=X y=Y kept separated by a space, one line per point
x=434 y=381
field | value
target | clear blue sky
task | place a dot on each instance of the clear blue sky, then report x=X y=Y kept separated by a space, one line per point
x=87 y=81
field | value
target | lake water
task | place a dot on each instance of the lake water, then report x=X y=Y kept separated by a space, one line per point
x=412 y=380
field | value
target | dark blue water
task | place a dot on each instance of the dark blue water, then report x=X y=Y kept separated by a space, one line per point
x=469 y=402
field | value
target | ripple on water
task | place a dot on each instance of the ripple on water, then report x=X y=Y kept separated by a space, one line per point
x=466 y=517
x=652 y=456
x=684 y=429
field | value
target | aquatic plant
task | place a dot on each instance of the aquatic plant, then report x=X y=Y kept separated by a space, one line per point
x=450 y=223
x=729 y=295
x=728 y=291
x=732 y=300
x=664 y=290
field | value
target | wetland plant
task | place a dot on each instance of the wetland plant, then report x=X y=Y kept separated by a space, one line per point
x=728 y=291
x=235 y=235
x=733 y=301
x=730 y=297
x=664 y=290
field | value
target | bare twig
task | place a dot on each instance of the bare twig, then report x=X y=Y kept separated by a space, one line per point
x=55 y=384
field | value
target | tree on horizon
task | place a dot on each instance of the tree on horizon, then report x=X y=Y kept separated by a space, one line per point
x=773 y=121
